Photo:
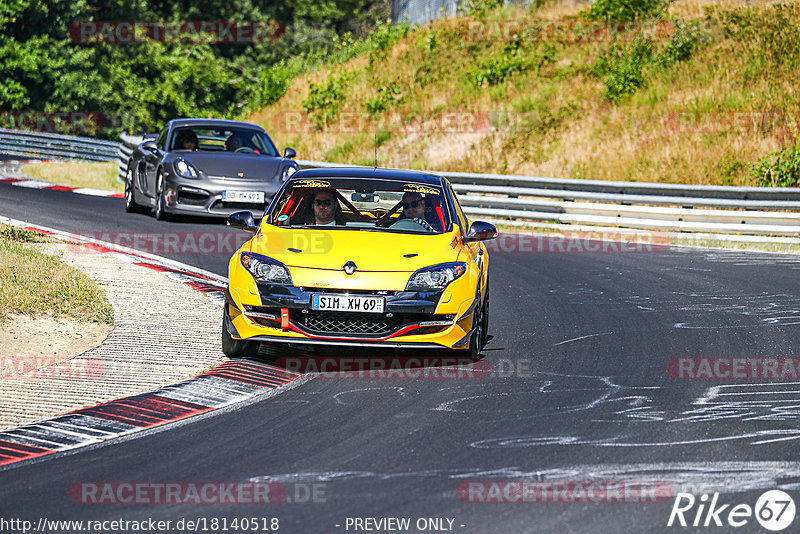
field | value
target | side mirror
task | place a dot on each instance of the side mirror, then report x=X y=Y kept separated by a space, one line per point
x=149 y=144
x=289 y=152
x=242 y=220
x=480 y=231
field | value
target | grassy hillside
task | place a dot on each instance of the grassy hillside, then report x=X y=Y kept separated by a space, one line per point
x=700 y=95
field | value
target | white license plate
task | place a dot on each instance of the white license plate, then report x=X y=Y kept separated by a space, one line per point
x=348 y=303
x=243 y=196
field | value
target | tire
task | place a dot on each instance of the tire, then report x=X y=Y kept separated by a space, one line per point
x=130 y=194
x=235 y=348
x=478 y=339
x=160 y=209
x=485 y=318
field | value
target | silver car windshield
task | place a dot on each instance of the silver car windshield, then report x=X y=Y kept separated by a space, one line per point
x=226 y=140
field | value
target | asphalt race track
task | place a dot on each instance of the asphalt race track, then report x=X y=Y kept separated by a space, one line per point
x=579 y=390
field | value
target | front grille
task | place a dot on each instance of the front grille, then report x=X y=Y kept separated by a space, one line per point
x=193 y=199
x=220 y=205
x=345 y=324
x=348 y=323
x=353 y=324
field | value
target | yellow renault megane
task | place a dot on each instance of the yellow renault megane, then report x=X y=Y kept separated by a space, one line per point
x=365 y=257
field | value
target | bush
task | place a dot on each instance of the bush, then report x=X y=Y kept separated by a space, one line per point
x=478 y=9
x=779 y=169
x=388 y=95
x=512 y=59
x=323 y=101
x=687 y=38
x=624 y=10
x=383 y=37
x=623 y=69
x=273 y=83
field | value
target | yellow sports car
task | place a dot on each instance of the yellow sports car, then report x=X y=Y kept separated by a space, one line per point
x=365 y=257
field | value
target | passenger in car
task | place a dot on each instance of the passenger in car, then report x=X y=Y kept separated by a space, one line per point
x=416 y=208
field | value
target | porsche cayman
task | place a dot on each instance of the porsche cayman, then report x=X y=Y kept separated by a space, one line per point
x=208 y=167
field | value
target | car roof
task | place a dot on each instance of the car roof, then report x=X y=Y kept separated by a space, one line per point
x=214 y=123
x=370 y=173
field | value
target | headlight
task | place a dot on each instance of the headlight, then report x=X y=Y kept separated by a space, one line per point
x=184 y=168
x=266 y=269
x=436 y=276
x=288 y=171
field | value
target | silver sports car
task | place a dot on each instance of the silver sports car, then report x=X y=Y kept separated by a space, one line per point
x=207 y=167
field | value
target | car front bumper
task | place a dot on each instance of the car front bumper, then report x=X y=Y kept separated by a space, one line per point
x=204 y=197
x=410 y=319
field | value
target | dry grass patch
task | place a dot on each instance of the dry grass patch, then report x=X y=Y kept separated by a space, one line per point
x=33 y=283
x=102 y=175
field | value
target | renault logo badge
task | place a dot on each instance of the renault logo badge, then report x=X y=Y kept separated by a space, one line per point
x=349 y=267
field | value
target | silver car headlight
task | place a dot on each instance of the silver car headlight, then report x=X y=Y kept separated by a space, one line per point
x=266 y=269
x=436 y=277
x=184 y=168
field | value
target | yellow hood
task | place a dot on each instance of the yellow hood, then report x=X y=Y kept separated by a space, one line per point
x=371 y=251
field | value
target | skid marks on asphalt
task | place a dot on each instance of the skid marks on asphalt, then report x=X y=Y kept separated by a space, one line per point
x=690 y=477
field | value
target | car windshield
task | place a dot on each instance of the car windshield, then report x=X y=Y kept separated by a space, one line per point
x=362 y=204
x=226 y=140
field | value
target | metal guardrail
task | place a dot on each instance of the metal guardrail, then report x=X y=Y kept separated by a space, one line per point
x=674 y=207
x=38 y=145
x=590 y=188
x=667 y=207
x=126 y=147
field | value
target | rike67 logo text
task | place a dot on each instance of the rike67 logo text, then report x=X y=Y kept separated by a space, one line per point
x=774 y=510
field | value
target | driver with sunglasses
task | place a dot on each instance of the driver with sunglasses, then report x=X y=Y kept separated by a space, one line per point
x=327 y=211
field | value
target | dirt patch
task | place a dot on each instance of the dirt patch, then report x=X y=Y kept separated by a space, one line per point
x=28 y=345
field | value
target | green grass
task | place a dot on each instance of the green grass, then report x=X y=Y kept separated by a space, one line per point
x=33 y=283
x=92 y=175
